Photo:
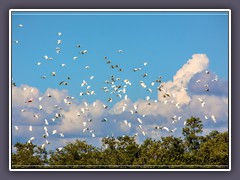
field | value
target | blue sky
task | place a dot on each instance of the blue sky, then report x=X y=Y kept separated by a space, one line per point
x=165 y=40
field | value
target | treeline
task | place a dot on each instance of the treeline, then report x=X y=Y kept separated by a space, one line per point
x=191 y=151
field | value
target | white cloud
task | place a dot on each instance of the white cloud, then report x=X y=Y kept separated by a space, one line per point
x=198 y=63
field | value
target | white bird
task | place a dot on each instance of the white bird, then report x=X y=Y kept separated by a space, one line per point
x=58 y=115
x=207 y=72
x=177 y=105
x=40 y=98
x=125 y=122
x=84 y=52
x=165 y=128
x=120 y=51
x=119 y=95
x=85 y=104
x=84 y=124
x=83 y=83
x=16 y=41
x=40 y=107
x=81 y=93
x=20 y=25
x=75 y=58
x=136 y=69
x=85 y=129
x=35 y=115
x=53 y=73
x=216 y=78
x=16 y=127
x=198 y=81
x=143 y=133
x=145 y=63
x=45 y=135
x=125 y=97
x=91 y=77
x=63 y=65
x=150 y=90
x=173 y=130
x=200 y=99
x=47 y=142
x=82 y=110
x=139 y=120
x=213 y=118
x=126 y=81
x=42 y=146
x=43 y=77
x=23 y=110
x=61 y=134
x=45 y=129
x=135 y=107
x=59 y=149
x=206 y=117
x=105 y=106
x=32 y=139
x=59 y=34
x=54 y=131
x=143 y=84
x=152 y=84
x=39 y=63
x=93 y=135
x=104 y=120
x=129 y=125
x=147 y=98
x=140 y=126
x=59 y=41
x=87 y=67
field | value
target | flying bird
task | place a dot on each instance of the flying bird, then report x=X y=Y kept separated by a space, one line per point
x=213 y=118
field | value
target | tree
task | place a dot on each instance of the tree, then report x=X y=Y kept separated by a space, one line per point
x=120 y=151
x=78 y=153
x=192 y=128
x=214 y=151
x=173 y=150
x=28 y=155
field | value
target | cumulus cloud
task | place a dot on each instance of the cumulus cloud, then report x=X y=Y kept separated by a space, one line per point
x=198 y=63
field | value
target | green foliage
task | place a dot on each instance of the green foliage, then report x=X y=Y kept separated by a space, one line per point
x=192 y=128
x=193 y=151
x=28 y=155
x=77 y=153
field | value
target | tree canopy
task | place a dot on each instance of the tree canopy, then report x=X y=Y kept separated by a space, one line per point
x=191 y=151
